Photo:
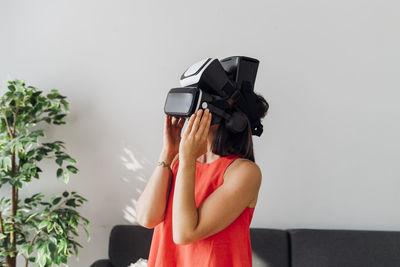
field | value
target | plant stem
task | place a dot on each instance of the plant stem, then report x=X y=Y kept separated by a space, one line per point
x=1 y=224
x=2 y=231
x=14 y=202
x=8 y=127
x=15 y=121
x=34 y=238
x=26 y=260
x=14 y=194
x=11 y=261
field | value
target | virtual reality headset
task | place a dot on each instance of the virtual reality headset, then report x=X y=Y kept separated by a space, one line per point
x=219 y=85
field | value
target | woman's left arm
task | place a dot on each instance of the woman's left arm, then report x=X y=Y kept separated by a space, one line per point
x=224 y=205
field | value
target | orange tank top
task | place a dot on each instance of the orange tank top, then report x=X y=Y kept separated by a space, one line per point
x=229 y=247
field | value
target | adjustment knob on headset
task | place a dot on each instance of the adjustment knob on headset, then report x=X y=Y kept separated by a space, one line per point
x=237 y=122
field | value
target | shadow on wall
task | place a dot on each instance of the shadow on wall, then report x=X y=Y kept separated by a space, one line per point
x=136 y=170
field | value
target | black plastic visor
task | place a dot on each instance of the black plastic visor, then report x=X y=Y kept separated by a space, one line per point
x=183 y=101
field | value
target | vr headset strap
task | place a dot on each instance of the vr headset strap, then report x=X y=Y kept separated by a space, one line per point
x=218 y=111
x=237 y=97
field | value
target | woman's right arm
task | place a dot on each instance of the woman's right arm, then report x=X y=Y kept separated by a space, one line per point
x=151 y=205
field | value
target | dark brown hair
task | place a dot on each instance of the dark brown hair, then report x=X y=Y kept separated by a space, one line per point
x=226 y=142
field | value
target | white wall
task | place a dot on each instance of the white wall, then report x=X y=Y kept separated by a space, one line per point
x=329 y=69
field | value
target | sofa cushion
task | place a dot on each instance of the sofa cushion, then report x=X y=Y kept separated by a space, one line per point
x=269 y=247
x=344 y=248
x=129 y=243
x=102 y=263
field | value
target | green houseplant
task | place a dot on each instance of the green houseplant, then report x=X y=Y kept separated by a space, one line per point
x=40 y=230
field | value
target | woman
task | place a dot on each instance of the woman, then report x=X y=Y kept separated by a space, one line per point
x=201 y=207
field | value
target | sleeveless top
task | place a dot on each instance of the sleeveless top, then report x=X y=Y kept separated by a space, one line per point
x=229 y=247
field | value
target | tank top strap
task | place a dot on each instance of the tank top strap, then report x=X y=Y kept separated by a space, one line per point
x=222 y=165
x=227 y=160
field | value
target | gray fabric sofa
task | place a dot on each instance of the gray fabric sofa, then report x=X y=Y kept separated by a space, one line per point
x=279 y=248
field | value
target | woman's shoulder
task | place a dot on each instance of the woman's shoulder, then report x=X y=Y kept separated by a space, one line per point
x=243 y=167
x=246 y=163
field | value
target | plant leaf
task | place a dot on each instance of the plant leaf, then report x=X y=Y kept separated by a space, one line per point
x=59 y=172
x=43 y=224
x=72 y=169
x=56 y=201
x=66 y=177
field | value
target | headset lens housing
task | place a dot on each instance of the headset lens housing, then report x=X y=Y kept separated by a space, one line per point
x=182 y=102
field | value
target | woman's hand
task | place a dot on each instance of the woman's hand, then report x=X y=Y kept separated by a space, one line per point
x=172 y=135
x=194 y=140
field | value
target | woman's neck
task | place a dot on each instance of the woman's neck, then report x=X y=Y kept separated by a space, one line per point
x=208 y=157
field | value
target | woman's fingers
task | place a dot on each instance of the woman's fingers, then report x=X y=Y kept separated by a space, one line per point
x=208 y=124
x=196 y=123
x=203 y=123
x=190 y=124
x=181 y=122
x=174 y=121
x=167 y=121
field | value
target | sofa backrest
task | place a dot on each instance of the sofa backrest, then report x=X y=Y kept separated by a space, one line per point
x=270 y=247
x=283 y=248
x=128 y=243
x=344 y=248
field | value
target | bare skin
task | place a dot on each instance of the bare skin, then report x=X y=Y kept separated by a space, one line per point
x=242 y=180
